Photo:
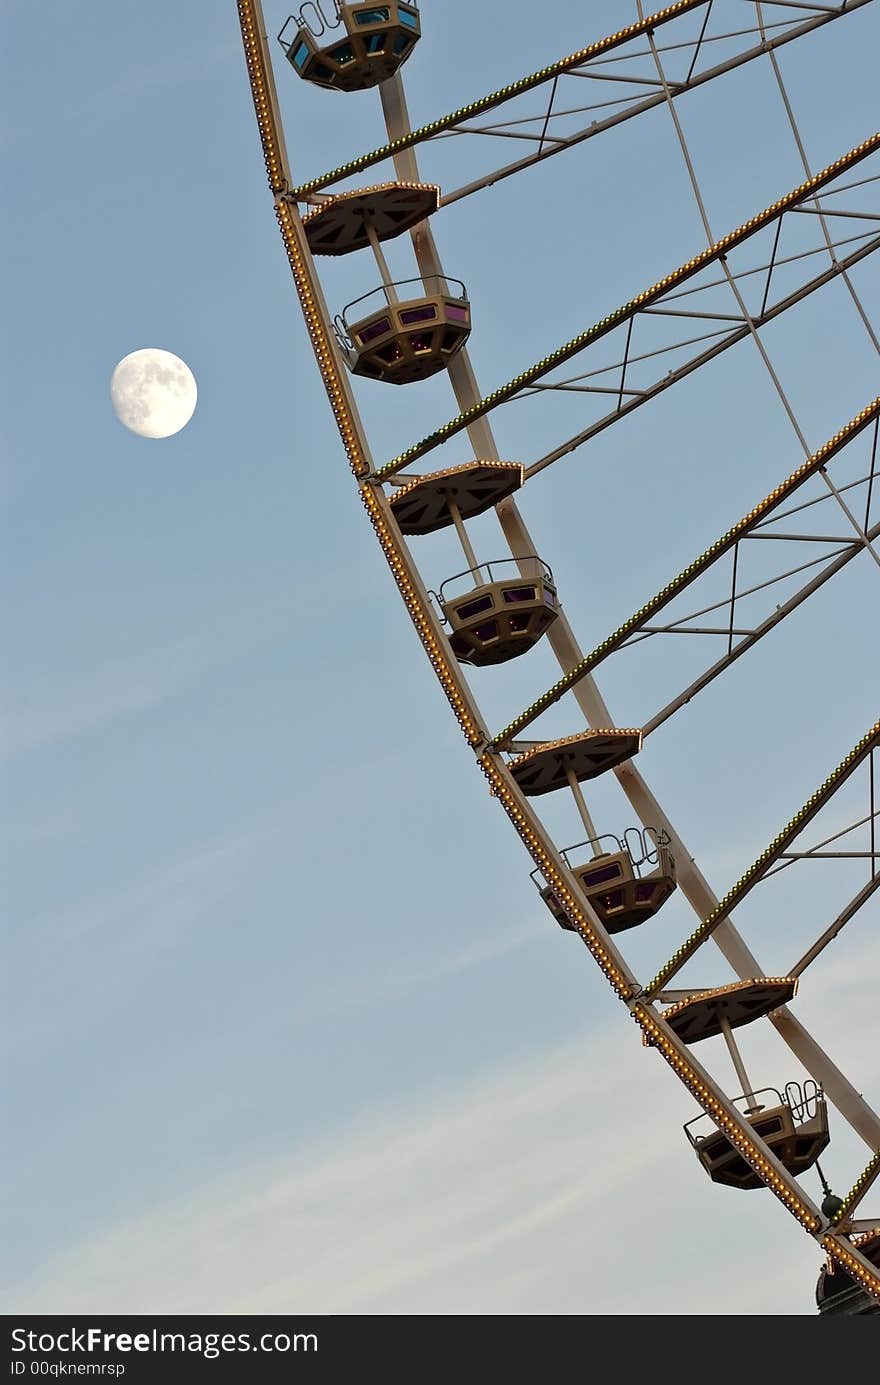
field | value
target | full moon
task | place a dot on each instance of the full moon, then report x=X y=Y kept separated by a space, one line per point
x=153 y=393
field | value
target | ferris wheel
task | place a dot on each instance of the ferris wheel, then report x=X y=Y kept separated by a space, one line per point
x=752 y=1132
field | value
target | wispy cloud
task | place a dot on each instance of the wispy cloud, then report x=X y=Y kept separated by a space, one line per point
x=80 y=701
x=561 y=1183
x=557 y=1186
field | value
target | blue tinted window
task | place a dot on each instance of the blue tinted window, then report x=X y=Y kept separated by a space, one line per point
x=342 y=53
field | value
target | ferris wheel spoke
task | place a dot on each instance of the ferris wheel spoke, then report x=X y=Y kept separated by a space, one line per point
x=758 y=869
x=863 y=1183
x=721 y=342
x=765 y=314
x=759 y=515
x=654 y=294
x=848 y=912
x=817 y=851
x=634 y=358
x=749 y=638
x=696 y=889
x=588 y=63
x=754 y=325
x=497 y=98
x=581 y=910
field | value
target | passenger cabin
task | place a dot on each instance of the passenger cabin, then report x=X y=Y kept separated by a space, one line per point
x=625 y=887
x=704 y=1014
x=353 y=48
x=348 y=221
x=838 y=1293
x=550 y=765
x=497 y=618
x=402 y=340
x=793 y=1125
x=445 y=498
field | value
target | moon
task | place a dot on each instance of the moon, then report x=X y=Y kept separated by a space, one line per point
x=153 y=393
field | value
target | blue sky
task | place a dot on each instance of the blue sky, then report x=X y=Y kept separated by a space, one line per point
x=288 y=1028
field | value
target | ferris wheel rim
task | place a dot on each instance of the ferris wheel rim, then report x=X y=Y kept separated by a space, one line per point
x=638 y=1000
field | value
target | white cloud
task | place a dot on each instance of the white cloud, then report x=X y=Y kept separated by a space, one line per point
x=76 y=701
x=546 y=1189
x=562 y=1184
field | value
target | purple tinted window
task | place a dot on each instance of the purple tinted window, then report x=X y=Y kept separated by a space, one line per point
x=342 y=53
x=519 y=622
x=716 y=1148
x=512 y=594
x=473 y=608
x=644 y=891
x=614 y=900
x=489 y=631
x=424 y=314
x=390 y=353
x=375 y=329
x=768 y=1127
x=420 y=342
x=456 y=313
x=549 y=597
x=598 y=877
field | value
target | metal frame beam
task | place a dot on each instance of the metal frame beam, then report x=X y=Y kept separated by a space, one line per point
x=451 y=123
x=636 y=622
x=705 y=1090
x=673 y=377
x=713 y=253
x=751 y=637
x=758 y=869
x=848 y=912
x=565 y=647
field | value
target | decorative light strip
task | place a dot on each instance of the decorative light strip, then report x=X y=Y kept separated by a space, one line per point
x=328 y=363
x=649 y=295
x=262 y=104
x=447 y=671
x=755 y=871
x=330 y=372
x=496 y=98
x=728 y=990
x=436 y=651
x=445 y=472
x=862 y=1183
x=340 y=197
x=869 y=1279
x=698 y=566
x=580 y=738
x=748 y=1145
x=513 y=806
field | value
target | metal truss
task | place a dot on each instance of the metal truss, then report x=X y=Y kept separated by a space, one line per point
x=833 y=1233
x=661 y=298
x=758 y=524
x=551 y=125
x=774 y=852
x=631 y=392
